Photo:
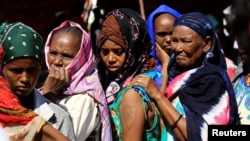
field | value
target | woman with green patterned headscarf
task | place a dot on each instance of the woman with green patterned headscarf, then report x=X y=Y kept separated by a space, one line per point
x=21 y=66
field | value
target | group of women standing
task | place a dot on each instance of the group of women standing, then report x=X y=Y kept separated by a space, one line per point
x=145 y=83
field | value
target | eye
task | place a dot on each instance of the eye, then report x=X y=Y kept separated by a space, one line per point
x=16 y=70
x=174 y=39
x=34 y=70
x=119 y=51
x=161 y=34
x=52 y=53
x=104 y=51
x=68 y=56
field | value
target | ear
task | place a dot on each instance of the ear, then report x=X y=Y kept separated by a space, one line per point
x=207 y=44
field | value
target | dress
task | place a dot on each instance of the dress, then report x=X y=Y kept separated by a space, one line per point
x=85 y=98
x=242 y=95
x=205 y=91
x=55 y=115
x=158 y=130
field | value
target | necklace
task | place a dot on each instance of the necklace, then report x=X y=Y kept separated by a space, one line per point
x=248 y=79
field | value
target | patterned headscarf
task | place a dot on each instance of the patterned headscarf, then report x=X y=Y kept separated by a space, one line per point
x=150 y=22
x=129 y=31
x=202 y=90
x=83 y=75
x=17 y=40
x=203 y=26
x=20 y=40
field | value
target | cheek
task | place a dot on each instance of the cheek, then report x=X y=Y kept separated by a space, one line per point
x=10 y=79
x=159 y=40
x=50 y=59
x=121 y=59
x=67 y=62
x=104 y=59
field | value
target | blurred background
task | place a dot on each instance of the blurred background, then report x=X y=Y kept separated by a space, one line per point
x=43 y=15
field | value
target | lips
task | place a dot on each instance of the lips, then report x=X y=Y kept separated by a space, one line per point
x=180 y=57
x=23 y=89
x=112 y=68
x=167 y=49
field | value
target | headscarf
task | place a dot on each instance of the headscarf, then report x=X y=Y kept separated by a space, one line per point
x=11 y=111
x=131 y=28
x=150 y=22
x=20 y=40
x=206 y=92
x=17 y=40
x=83 y=75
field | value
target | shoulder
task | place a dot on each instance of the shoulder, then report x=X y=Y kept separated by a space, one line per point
x=45 y=106
x=130 y=95
x=58 y=109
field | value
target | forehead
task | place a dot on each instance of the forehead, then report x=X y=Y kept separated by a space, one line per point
x=65 y=41
x=24 y=62
x=110 y=44
x=164 y=17
x=181 y=30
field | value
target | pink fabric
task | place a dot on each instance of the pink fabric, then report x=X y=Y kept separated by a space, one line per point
x=231 y=68
x=84 y=76
x=177 y=83
x=216 y=116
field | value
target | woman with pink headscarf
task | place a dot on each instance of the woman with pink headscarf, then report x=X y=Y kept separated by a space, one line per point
x=73 y=81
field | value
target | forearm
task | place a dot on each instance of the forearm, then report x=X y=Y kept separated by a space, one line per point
x=49 y=133
x=164 y=72
x=171 y=115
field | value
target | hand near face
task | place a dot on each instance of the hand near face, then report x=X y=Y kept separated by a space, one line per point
x=57 y=79
x=162 y=55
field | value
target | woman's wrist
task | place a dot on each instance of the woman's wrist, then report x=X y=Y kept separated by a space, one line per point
x=158 y=96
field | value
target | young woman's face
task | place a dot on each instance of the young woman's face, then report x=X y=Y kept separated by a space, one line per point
x=63 y=49
x=22 y=75
x=188 y=46
x=163 y=28
x=113 y=56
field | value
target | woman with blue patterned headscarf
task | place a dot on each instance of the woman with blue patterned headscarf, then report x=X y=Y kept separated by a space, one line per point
x=201 y=93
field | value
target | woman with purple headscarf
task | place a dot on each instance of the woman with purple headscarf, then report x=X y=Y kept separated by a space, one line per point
x=73 y=81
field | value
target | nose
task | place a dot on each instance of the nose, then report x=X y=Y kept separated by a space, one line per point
x=25 y=77
x=58 y=61
x=177 y=47
x=168 y=38
x=111 y=58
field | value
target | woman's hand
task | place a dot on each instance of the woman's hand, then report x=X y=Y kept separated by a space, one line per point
x=29 y=131
x=57 y=79
x=148 y=84
x=162 y=55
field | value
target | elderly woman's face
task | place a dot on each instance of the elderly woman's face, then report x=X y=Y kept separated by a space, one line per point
x=188 y=47
x=63 y=49
x=113 y=56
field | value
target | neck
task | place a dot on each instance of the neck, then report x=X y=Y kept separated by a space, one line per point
x=27 y=101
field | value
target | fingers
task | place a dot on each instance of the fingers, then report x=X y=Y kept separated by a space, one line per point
x=60 y=73
x=138 y=80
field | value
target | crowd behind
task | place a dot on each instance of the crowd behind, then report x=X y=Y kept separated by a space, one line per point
x=165 y=78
